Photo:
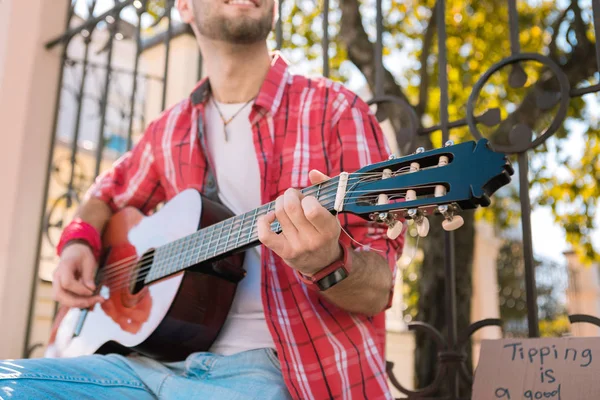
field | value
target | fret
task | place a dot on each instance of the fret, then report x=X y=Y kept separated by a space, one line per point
x=319 y=191
x=186 y=252
x=185 y=246
x=237 y=239
x=224 y=231
x=252 y=225
x=224 y=237
x=164 y=262
x=196 y=249
x=189 y=257
x=207 y=242
x=203 y=238
x=169 y=259
x=173 y=254
x=275 y=225
x=176 y=255
x=180 y=255
x=229 y=233
x=177 y=261
x=201 y=241
x=218 y=238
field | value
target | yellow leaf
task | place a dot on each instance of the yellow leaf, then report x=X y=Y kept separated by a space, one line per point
x=453 y=74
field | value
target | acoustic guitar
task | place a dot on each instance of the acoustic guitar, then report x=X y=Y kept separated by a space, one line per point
x=169 y=279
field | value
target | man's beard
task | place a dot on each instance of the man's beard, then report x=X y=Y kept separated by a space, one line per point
x=239 y=31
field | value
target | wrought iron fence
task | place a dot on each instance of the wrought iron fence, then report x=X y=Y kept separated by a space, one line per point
x=127 y=112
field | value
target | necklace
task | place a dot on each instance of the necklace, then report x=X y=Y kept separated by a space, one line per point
x=227 y=121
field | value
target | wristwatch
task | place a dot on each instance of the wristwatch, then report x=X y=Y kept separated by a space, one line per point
x=332 y=274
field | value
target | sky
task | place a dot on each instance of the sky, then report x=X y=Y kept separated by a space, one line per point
x=548 y=237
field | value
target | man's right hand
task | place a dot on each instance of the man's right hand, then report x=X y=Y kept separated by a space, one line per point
x=73 y=280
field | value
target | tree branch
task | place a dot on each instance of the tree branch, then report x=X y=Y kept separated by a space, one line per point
x=427 y=45
x=361 y=52
x=553 y=50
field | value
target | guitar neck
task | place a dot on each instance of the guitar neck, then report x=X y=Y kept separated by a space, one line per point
x=226 y=237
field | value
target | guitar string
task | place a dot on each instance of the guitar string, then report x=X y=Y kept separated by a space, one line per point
x=220 y=249
x=244 y=235
x=127 y=282
x=310 y=190
x=142 y=272
x=222 y=226
x=210 y=230
x=123 y=265
x=125 y=262
x=122 y=283
x=207 y=243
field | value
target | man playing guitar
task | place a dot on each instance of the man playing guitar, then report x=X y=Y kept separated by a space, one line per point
x=260 y=133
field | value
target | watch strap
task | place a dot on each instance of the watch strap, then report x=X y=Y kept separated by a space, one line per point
x=330 y=275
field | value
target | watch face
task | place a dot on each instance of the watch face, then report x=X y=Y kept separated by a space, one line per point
x=333 y=278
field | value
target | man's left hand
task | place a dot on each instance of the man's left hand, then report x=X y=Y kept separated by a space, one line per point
x=309 y=236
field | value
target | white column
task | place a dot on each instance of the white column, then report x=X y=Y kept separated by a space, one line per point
x=583 y=294
x=484 y=301
x=28 y=84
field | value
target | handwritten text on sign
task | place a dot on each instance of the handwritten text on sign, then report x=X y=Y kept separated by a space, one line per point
x=549 y=368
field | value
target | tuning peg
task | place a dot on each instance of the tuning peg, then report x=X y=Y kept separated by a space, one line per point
x=394 y=230
x=383 y=217
x=453 y=223
x=423 y=226
x=420 y=220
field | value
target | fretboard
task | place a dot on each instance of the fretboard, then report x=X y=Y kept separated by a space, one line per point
x=226 y=236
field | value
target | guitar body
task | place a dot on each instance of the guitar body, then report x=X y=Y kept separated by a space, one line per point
x=167 y=319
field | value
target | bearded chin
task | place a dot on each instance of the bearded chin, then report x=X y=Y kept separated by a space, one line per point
x=241 y=31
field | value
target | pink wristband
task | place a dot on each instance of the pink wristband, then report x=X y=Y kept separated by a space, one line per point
x=81 y=230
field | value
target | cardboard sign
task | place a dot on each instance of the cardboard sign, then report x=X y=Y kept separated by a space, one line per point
x=539 y=369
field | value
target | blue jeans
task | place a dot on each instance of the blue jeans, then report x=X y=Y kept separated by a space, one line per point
x=253 y=374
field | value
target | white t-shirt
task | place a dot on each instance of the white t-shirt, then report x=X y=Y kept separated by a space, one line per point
x=238 y=178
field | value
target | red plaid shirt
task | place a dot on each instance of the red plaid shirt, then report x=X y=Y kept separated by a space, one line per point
x=298 y=124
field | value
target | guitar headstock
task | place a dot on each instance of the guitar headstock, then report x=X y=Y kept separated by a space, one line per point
x=441 y=181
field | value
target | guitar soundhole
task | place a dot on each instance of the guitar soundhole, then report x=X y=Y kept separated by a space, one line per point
x=140 y=271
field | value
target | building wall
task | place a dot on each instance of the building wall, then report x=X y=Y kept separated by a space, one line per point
x=28 y=84
x=583 y=294
x=484 y=300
